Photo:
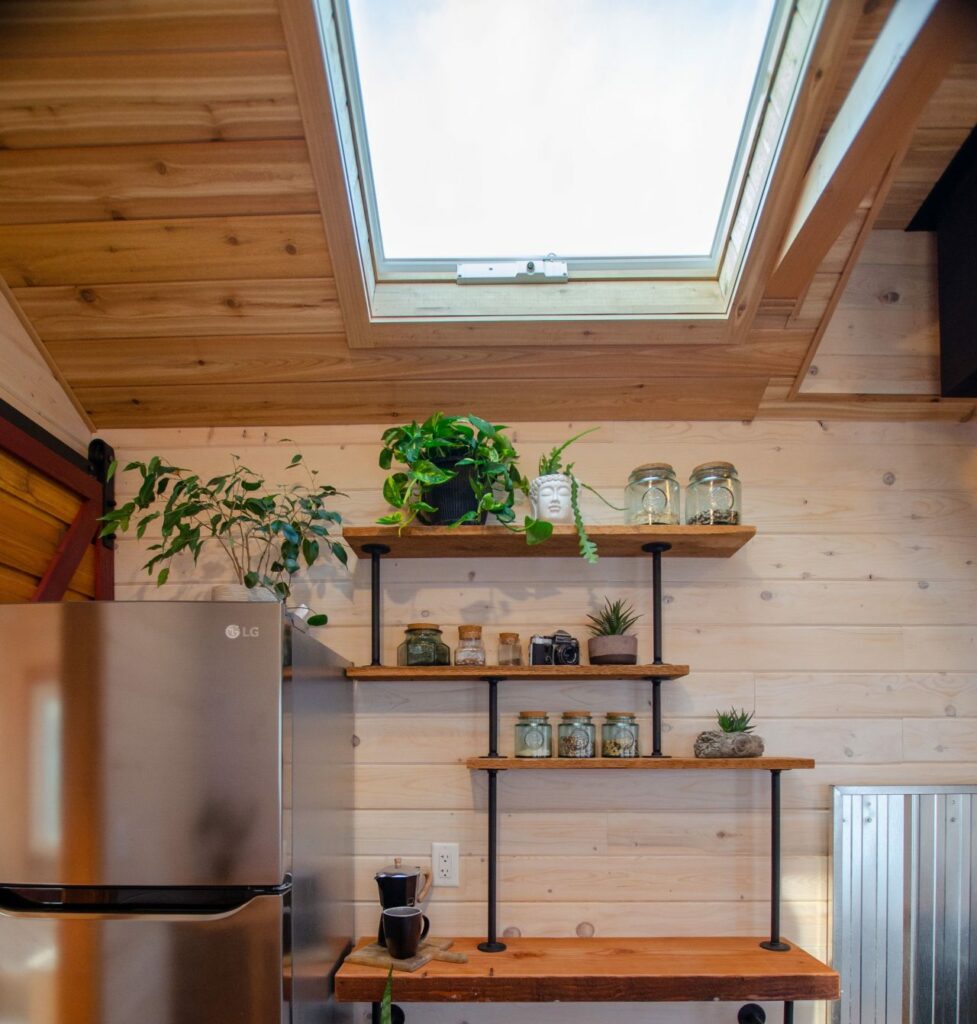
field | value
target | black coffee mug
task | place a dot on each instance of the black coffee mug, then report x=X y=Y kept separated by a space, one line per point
x=403 y=929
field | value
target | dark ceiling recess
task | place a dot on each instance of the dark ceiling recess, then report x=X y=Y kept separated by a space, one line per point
x=951 y=211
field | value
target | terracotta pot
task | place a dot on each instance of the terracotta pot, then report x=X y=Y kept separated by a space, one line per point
x=616 y=649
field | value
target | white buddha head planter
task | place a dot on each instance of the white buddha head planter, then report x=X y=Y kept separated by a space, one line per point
x=549 y=498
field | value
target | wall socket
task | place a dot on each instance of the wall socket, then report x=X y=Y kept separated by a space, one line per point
x=444 y=863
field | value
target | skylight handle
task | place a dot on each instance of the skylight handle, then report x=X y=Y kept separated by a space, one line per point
x=544 y=271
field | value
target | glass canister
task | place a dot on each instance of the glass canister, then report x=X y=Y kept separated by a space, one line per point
x=653 y=495
x=577 y=734
x=713 y=495
x=619 y=735
x=534 y=735
x=470 y=650
x=510 y=649
x=423 y=645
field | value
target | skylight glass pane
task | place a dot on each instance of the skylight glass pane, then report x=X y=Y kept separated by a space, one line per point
x=585 y=128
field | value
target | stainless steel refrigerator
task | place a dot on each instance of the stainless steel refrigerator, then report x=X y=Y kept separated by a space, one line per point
x=175 y=802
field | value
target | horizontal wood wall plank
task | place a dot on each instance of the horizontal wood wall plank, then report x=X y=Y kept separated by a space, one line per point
x=285 y=358
x=136 y=99
x=193 y=249
x=355 y=401
x=192 y=307
x=112 y=183
x=60 y=28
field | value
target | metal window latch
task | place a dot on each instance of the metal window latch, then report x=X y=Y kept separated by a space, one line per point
x=545 y=271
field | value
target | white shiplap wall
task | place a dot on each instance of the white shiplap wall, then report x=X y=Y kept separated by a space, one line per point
x=849 y=624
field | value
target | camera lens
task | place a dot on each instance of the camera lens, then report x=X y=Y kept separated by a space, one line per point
x=568 y=654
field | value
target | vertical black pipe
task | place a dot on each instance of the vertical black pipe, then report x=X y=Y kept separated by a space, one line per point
x=788 y=1013
x=658 y=659
x=493 y=717
x=375 y=551
x=492 y=944
x=374 y=1013
x=775 y=942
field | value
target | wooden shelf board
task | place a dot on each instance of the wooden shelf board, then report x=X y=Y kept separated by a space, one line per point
x=498 y=542
x=447 y=673
x=603 y=970
x=640 y=763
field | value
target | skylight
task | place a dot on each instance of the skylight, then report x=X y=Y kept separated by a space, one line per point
x=605 y=132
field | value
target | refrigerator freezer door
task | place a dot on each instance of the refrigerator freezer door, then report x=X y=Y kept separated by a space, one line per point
x=141 y=744
x=87 y=969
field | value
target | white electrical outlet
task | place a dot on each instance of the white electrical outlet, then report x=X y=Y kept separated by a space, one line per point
x=444 y=863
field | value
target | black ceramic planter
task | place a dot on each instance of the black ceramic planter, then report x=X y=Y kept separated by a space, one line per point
x=453 y=498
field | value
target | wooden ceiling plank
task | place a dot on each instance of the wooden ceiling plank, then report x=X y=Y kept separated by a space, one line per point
x=174 y=308
x=284 y=358
x=917 y=45
x=703 y=398
x=68 y=28
x=195 y=249
x=906 y=408
x=113 y=183
x=149 y=98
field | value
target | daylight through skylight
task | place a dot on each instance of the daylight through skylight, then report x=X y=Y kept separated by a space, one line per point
x=584 y=128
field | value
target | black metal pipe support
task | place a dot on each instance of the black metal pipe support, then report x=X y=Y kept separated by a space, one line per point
x=493 y=716
x=788 y=1013
x=375 y=551
x=656 y=551
x=775 y=942
x=492 y=944
x=751 y=1013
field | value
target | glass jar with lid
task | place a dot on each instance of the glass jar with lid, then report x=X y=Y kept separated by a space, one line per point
x=577 y=734
x=470 y=650
x=510 y=649
x=423 y=645
x=653 y=495
x=713 y=495
x=534 y=735
x=619 y=735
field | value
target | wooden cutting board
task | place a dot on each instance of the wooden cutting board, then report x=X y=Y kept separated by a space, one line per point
x=376 y=955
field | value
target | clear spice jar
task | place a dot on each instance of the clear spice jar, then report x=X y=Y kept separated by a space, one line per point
x=619 y=735
x=423 y=645
x=510 y=649
x=577 y=734
x=470 y=650
x=653 y=495
x=713 y=495
x=534 y=735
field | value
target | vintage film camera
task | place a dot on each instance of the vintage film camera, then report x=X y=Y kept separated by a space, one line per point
x=558 y=649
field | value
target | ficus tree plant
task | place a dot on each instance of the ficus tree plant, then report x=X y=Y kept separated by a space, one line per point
x=266 y=533
x=435 y=451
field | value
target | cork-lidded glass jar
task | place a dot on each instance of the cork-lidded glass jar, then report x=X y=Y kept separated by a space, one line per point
x=510 y=649
x=653 y=495
x=423 y=645
x=713 y=495
x=534 y=735
x=577 y=734
x=470 y=650
x=619 y=735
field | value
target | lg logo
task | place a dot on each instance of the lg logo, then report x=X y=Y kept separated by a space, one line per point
x=232 y=632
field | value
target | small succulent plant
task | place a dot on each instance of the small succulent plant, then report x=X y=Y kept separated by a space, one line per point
x=614 y=619
x=735 y=720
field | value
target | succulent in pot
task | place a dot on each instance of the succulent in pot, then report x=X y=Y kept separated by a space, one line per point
x=554 y=495
x=265 y=532
x=610 y=642
x=733 y=738
x=459 y=469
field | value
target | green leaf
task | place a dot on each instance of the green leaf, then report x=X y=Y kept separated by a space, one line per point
x=310 y=550
x=537 y=530
x=391 y=519
x=317 y=620
x=340 y=552
x=296 y=459
x=110 y=472
x=164 y=575
x=386 y=458
x=251 y=580
x=393 y=489
x=251 y=485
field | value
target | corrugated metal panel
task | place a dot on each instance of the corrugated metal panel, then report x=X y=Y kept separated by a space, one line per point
x=904 y=907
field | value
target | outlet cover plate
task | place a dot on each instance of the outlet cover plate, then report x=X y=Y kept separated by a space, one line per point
x=444 y=864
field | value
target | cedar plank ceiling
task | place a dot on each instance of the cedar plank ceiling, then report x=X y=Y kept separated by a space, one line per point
x=161 y=233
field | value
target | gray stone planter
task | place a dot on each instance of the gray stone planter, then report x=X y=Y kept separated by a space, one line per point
x=727 y=744
x=616 y=649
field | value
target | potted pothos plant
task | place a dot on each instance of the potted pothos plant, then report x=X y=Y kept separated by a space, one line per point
x=554 y=494
x=611 y=642
x=268 y=534
x=458 y=470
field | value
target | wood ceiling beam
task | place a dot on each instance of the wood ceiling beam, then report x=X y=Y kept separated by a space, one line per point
x=914 y=51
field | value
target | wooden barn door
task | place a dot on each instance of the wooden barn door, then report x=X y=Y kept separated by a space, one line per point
x=50 y=501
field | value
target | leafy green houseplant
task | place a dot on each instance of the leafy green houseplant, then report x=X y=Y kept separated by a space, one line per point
x=555 y=494
x=459 y=469
x=611 y=642
x=733 y=738
x=266 y=533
